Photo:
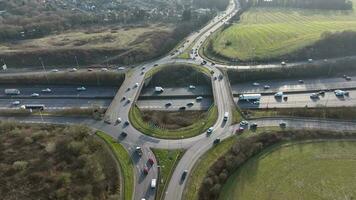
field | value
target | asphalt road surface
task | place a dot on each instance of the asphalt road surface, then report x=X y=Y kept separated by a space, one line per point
x=203 y=104
x=181 y=91
x=302 y=100
x=294 y=85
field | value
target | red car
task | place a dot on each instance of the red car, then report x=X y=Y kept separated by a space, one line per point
x=150 y=160
x=145 y=170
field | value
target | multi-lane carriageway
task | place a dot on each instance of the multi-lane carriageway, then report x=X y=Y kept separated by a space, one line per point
x=195 y=146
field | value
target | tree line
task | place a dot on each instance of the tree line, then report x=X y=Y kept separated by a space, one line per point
x=245 y=148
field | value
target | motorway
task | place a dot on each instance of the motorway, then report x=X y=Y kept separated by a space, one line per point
x=195 y=146
x=292 y=85
x=203 y=104
x=299 y=100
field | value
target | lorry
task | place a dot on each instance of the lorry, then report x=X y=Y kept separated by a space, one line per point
x=12 y=91
x=249 y=97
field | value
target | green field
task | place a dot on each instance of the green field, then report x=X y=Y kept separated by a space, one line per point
x=317 y=170
x=264 y=33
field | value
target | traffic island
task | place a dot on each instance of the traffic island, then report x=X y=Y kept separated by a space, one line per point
x=198 y=127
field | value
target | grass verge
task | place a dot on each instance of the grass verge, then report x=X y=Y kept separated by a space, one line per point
x=197 y=128
x=199 y=68
x=167 y=160
x=125 y=162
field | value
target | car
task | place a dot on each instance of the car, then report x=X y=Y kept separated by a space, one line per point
x=107 y=121
x=47 y=90
x=142 y=73
x=35 y=95
x=151 y=161
x=215 y=78
x=82 y=88
x=190 y=104
x=314 y=95
x=348 y=78
x=54 y=70
x=168 y=104
x=127 y=123
x=278 y=94
x=341 y=93
x=128 y=100
x=212 y=63
x=182 y=108
x=128 y=89
x=73 y=70
x=310 y=60
x=240 y=130
x=123 y=134
x=136 y=85
x=138 y=150
x=283 y=63
x=89 y=69
x=104 y=69
x=255 y=84
x=199 y=98
x=283 y=124
x=217 y=141
x=143 y=68
x=15 y=103
x=155 y=65
x=266 y=87
x=191 y=87
x=321 y=92
x=285 y=98
x=210 y=130
x=184 y=174
x=221 y=77
x=120 y=68
x=243 y=123
x=253 y=126
x=118 y=120
x=145 y=170
x=123 y=98
x=300 y=81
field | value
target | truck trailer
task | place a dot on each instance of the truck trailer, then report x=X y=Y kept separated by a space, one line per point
x=249 y=97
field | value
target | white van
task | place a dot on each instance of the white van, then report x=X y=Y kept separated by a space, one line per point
x=153 y=183
x=226 y=115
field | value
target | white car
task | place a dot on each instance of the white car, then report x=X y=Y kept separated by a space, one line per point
x=15 y=103
x=81 y=88
x=210 y=130
x=121 y=68
x=153 y=183
x=255 y=84
x=340 y=93
x=310 y=60
x=191 y=87
x=314 y=96
x=199 y=98
x=278 y=94
x=136 y=85
x=47 y=90
x=104 y=69
x=283 y=63
x=35 y=95
x=118 y=120
x=73 y=70
x=266 y=87
x=54 y=70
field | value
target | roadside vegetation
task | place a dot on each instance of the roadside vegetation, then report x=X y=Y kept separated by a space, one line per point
x=126 y=164
x=306 y=170
x=273 y=32
x=249 y=146
x=67 y=78
x=199 y=126
x=346 y=113
x=69 y=163
x=167 y=160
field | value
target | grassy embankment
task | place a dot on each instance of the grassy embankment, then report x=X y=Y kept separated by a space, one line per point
x=321 y=170
x=124 y=45
x=196 y=128
x=167 y=160
x=267 y=33
x=126 y=164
